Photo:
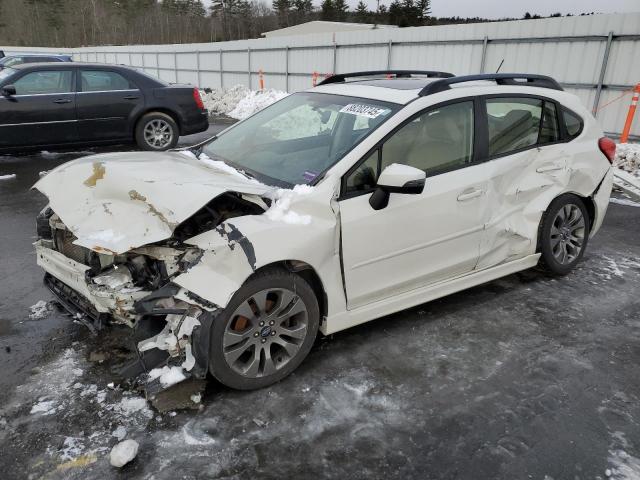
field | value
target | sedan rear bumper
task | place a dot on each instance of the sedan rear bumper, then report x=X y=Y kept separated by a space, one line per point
x=195 y=123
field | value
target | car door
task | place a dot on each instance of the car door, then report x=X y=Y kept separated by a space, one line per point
x=106 y=101
x=42 y=112
x=418 y=239
x=525 y=159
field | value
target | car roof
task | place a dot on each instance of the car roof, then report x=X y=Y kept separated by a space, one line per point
x=403 y=89
x=38 y=55
x=27 y=66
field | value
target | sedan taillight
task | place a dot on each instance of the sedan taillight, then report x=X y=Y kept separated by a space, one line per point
x=198 y=98
x=608 y=147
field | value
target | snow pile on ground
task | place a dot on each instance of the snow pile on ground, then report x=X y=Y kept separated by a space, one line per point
x=40 y=310
x=280 y=210
x=123 y=453
x=628 y=158
x=255 y=101
x=239 y=102
x=7 y=177
x=221 y=101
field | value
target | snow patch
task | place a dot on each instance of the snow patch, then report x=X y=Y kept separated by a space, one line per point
x=46 y=407
x=130 y=405
x=168 y=375
x=239 y=102
x=280 y=210
x=7 y=177
x=40 y=310
x=255 y=101
x=628 y=158
x=622 y=466
x=624 y=201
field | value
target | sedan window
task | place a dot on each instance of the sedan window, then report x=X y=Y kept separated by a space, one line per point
x=45 y=82
x=101 y=81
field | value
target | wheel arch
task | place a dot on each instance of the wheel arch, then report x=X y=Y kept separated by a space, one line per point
x=306 y=272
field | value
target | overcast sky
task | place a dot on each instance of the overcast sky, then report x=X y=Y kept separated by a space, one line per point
x=513 y=8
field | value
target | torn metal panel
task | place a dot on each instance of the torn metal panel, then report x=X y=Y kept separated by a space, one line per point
x=114 y=203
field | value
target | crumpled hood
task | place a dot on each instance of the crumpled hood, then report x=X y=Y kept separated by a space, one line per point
x=118 y=201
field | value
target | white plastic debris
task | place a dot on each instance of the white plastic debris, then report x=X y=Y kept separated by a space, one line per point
x=7 y=177
x=123 y=453
x=196 y=397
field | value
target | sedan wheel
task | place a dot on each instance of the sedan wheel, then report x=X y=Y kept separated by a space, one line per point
x=158 y=134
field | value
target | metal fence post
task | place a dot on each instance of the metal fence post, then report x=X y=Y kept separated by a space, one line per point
x=389 y=47
x=335 y=57
x=286 y=69
x=484 y=53
x=249 y=66
x=158 y=63
x=221 y=72
x=175 y=65
x=198 y=68
x=130 y=62
x=143 y=66
x=603 y=72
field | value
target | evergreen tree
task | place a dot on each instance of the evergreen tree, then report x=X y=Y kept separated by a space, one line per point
x=362 y=13
x=282 y=9
x=327 y=10
x=340 y=8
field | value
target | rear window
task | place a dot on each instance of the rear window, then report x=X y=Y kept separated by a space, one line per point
x=573 y=123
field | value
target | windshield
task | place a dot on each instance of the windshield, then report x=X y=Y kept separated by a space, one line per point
x=6 y=73
x=296 y=139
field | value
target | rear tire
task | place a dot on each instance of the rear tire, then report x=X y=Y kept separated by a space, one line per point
x=563 y=234
x=265 y=332
x=157 y=132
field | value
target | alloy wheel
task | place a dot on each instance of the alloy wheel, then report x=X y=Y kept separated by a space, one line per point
x=265 y=332
x=158 y=133
x=567 y=234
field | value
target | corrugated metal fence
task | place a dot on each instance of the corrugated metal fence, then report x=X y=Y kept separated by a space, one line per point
x=595 y=57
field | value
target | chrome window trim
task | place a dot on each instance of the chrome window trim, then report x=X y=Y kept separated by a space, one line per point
x=36 y=123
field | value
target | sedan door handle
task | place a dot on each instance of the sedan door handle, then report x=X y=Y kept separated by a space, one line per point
x=132 y=97
x=469 y=194
x=62 y=100
x=549 y=168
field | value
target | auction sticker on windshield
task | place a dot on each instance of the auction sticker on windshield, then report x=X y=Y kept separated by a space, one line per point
x=364 y=110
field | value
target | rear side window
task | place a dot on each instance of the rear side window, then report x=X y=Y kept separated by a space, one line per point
x=572 y=122
x=101 y=81
x=514 y=123
x=549 y=128
x=45 y=82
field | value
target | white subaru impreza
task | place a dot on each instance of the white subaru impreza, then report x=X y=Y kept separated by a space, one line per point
x=369 y=194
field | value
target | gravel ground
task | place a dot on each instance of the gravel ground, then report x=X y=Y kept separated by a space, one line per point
x=524 y=377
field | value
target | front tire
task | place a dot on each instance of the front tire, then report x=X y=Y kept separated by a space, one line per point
x=265 y=332
x=157 y=132
x=563 y=235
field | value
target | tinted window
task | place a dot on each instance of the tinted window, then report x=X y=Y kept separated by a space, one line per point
x=514 y=123
x=45 y=82
x=549 y=131
x=39 y=59
x=573 y=123
x=9 y=61
x=100 y=81
x=436 y=141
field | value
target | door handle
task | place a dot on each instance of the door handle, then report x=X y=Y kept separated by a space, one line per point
x=131 y=97
x=470 y=194
x=549 y=168
x=62 y=100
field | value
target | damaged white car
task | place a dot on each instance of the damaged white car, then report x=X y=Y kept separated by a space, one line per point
x=369 y=194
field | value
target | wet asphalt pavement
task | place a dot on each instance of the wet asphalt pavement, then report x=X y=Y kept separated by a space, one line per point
x=524 y=377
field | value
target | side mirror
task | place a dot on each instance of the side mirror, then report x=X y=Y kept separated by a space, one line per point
x=8 y=90
x=397 y=178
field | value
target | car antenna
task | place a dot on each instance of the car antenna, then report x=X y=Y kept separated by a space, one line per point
x=500 y=66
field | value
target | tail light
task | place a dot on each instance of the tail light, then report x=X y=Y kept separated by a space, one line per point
x=608 y=147
x=198 y=99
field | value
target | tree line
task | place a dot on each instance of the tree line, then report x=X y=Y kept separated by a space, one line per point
x=75 y=23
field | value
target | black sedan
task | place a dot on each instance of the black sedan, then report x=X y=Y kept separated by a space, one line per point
x=56 y=105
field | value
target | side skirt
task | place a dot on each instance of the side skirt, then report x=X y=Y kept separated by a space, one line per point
x=351 y=318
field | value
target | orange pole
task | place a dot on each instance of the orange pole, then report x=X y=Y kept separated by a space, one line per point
x=314 y=78
x=631 y=114
x=260 y=75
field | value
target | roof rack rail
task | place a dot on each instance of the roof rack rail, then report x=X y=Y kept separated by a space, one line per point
x=341 y=77
x=522 y=79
